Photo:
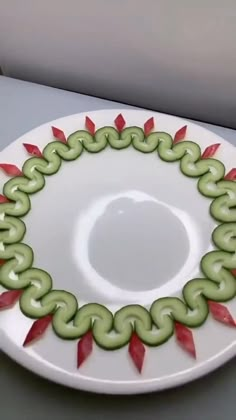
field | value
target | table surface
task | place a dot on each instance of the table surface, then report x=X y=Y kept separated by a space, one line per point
x=23 y=395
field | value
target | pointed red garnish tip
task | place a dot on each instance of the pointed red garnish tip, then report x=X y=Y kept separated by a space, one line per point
x=2 y=262
x=180 y=134
x=84 y=348
x=90 y=126
x=185 y=339
x=32 y=150
x=59 y=134
x=210 y=151
x=221 y=313
x=120 y=122
x=11 y=170
x=148 y=126
x=8 y=299
x=38 y=329
x=234 y=272
x=3 y=199
x=137 y=351
x=231 y=175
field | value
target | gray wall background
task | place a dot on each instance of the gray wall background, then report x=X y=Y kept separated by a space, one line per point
x=173 y=56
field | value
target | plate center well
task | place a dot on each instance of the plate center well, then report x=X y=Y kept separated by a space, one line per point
x=133 y=241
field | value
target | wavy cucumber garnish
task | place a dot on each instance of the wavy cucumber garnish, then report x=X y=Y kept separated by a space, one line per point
x=132 y=323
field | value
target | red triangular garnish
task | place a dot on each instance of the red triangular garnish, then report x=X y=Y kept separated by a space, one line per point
x=32 y=149
x=11 y=170
x=3 y=199
x=38 y=329
x=210 y=151
x=2 y=262
x=90 y=126
x=84 y=348
x=59 y=134
x=120 y=122
x=137 y=351
x=221 y=313
x=185 y=339
x=180 y=134
x=8 y=299
x=148 y=126
x=231 y=175
x=234 y=272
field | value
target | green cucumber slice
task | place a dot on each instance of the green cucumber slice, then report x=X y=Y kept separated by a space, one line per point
x=19 y=257
x=12 y=230
x=94 y=144
x=21 y=202
x=146 y=144
x=224 y=237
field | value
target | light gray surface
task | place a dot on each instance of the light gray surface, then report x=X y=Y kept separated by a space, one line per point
x=173 y=56
x=24 y=396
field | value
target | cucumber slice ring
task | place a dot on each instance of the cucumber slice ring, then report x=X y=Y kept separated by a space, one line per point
x=113 y=331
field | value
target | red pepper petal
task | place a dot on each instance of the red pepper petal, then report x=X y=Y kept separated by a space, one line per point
x=7 y=299
x=120 y=122
x=221 y=313
x=137 y=351
x=10 y=169
x=185 y=339
x=148 y=126
x=59 y=134
x=38 y=329
x=3 y=199
x=180 y=134
x=231 y=175
x=2 y=262
x=90 y=126
x=84 y=348
x=210 y=151
x=32 y=149
x=234 y=272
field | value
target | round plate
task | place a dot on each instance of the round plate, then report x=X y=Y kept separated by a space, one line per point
x=119 y=227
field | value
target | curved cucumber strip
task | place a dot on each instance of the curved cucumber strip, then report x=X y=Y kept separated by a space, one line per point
x=112 y=331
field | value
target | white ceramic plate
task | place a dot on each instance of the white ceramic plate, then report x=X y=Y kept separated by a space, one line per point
x=118 y=228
